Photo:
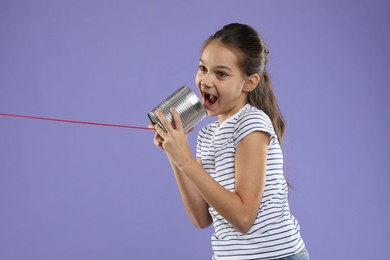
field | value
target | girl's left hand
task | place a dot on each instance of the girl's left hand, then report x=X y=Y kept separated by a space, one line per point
x=174 y=139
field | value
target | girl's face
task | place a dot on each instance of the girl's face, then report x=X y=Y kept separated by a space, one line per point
x=220 y=81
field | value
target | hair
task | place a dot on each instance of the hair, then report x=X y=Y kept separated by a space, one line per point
x=253 y=59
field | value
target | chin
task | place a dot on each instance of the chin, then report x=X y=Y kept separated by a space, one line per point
x=211 y=113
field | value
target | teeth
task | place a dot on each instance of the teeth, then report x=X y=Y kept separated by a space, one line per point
x=212 y=98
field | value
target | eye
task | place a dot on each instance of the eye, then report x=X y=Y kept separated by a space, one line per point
x=221 y=74
x=202 y=68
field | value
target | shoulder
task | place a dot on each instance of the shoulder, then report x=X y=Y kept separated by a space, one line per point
x=253 y=115
x=252 y=119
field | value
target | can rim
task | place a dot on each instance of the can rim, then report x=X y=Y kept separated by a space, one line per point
x=154 y=119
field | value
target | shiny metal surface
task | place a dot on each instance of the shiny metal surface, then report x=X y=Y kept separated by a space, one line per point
x=187 y=104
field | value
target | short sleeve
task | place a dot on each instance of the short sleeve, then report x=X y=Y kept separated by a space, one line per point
x=251 y=121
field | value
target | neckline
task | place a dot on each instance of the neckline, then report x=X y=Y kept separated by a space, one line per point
x=219 y=125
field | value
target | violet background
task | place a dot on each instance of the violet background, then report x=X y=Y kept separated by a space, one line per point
x=85 y=192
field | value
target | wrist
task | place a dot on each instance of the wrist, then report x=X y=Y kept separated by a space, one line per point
x=186 y=164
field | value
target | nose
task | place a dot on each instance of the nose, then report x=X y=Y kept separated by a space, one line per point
x=206 y=80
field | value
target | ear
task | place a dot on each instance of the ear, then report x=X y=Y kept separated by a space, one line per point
x=251 y=82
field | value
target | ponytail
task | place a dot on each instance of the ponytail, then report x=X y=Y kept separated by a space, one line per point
x=263 y=98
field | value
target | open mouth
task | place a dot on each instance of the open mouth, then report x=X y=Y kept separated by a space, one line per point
x=209 y=99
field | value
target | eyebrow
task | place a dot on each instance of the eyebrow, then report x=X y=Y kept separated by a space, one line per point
x=218 y=66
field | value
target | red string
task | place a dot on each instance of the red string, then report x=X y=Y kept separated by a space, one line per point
x=75 y=122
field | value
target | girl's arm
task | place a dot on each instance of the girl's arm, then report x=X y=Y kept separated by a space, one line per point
x=195 y=205
x=240 y=207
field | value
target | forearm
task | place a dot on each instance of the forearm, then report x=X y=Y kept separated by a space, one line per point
x=194 y=203
x=229 y=204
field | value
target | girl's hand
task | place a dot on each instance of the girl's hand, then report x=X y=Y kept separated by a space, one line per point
x=158 y=140
x=174 y=140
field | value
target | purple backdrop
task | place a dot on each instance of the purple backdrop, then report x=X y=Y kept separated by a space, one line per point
x=85 y=192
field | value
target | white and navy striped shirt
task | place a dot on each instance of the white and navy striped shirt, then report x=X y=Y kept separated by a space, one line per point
x=275 y=232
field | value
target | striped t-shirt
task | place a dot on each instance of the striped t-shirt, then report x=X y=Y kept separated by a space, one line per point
x=275 y=232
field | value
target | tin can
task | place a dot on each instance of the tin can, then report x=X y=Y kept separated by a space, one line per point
x=188 y=106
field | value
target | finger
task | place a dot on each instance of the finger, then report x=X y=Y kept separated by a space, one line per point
x=160 y=131
x=158 y=140
x=164 y=120
x=177 y=120
x=159 y=145
x=157 y=136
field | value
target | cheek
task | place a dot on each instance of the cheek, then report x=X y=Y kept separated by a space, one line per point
x=197 y=80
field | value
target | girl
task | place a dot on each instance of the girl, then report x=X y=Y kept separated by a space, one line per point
x=236 y=180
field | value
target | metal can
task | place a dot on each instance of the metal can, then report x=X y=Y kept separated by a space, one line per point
x=188 y=106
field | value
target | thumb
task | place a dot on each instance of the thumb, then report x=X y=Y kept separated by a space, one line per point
x=177 y=119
